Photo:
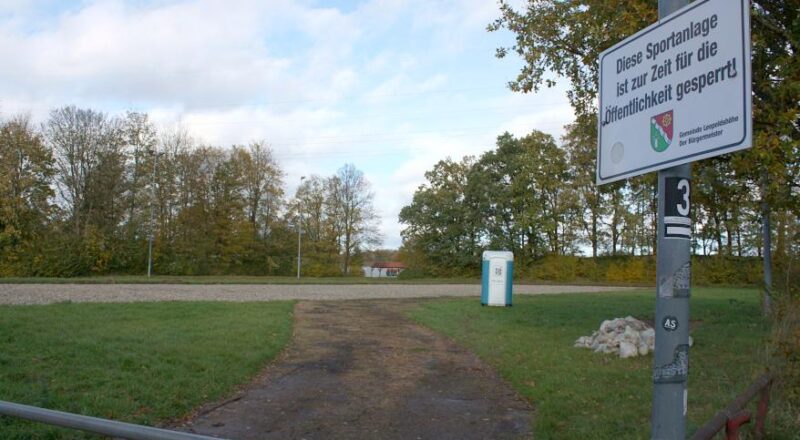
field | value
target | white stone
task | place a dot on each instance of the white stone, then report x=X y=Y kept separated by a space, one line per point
x=627 y=337
x=643 y=349
x=584 y=341
x=630 y=335
x=627 y=350
x=649 y=337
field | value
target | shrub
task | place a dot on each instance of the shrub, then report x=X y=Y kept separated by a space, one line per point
x=632 y=270
x=719 y=270
x=555 y=268
x=413 y=274
x=785 y=358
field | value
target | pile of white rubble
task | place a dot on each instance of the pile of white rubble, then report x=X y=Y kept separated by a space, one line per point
x=627 y=337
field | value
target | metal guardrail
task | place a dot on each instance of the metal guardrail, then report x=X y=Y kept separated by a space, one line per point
x=734 y=416
x=93 y=424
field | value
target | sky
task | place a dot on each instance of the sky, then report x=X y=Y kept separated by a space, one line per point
x=391 y=86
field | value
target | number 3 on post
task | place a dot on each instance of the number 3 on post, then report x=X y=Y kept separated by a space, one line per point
x=677 y=208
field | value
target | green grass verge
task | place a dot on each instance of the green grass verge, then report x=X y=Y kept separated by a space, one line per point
x=143 y=363
x=580 y=394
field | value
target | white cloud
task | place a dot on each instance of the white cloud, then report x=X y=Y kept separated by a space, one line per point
x=401 y=85
x=197 y=54
x=376 y=85
x=550 y=121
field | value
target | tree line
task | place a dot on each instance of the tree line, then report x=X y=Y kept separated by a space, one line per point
x=537 y=198
x=84 y=192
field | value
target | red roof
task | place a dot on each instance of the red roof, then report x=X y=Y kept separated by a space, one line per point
x=388 y=265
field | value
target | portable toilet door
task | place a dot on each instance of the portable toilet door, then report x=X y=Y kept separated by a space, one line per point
x=496 y=283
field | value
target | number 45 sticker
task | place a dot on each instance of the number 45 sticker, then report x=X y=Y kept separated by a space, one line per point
x=678 y=208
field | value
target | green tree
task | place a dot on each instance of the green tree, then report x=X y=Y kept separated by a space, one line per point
x=550 y=183
x=442 y=225
x=527 y=198
x=26 y=169
x=518 y=197
x=566 y=38
x=502 y=188
x=579 y=143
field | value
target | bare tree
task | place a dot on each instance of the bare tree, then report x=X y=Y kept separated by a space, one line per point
x=89 y=163
x=141 y=140
x=173 y=144
x=350 y=207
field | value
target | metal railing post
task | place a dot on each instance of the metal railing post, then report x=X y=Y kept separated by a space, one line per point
x=94 y=425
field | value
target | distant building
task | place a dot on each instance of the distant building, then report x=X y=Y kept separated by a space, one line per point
x=384 y=270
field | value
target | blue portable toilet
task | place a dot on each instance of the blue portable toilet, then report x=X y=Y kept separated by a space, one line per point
x=497 y=278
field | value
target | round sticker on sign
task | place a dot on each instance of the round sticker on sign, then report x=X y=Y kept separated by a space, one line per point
x=670 y=323
x=617 y=152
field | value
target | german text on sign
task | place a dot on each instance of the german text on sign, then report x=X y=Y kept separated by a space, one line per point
x=676 y=92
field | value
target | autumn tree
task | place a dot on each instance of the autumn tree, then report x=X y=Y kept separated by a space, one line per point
x=90 y=166
x=140 y=142
x=262 y=181
x=309 y=210
x=26 y=167
x=773 y=162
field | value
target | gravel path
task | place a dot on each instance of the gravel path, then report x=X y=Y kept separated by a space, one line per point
x=18 y=294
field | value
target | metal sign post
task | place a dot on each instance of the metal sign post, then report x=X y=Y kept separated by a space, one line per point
x=673 y=93
x=673 y=287
x=673 y=277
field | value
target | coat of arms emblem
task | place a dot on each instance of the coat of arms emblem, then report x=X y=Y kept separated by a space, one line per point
x=661 y=131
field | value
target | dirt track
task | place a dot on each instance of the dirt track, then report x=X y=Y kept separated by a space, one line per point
x=53 y=293
x=360 y=369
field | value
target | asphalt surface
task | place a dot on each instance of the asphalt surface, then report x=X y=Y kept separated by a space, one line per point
x=19 y=294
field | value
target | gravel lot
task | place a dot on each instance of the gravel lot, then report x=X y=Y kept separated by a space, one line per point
x=53 y=293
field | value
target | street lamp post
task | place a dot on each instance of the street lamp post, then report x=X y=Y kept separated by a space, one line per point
x=299 y=231
x=152 y=216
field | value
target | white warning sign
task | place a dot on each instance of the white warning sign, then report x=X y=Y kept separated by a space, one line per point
x=676 y=92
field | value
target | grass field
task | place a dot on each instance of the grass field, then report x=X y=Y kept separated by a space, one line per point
x=582 y=395
x=143 y=363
